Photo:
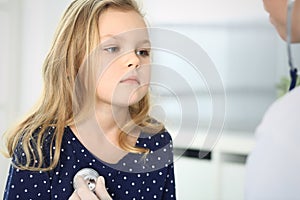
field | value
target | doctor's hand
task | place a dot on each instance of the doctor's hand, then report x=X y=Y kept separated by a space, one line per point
x=84 y=193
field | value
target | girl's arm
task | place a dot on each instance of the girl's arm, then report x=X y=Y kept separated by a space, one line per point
x=25 y=184
x=169 y=190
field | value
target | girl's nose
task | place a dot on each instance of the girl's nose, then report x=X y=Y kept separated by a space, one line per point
x=133 y=60
x=132 y=65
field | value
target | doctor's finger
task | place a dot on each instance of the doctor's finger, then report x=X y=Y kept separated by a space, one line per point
x=100 y=189
x=82 y=190
x=74 y=196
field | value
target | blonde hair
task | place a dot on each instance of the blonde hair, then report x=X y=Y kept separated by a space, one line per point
x=75 y=38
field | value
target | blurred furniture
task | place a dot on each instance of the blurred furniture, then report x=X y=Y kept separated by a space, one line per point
x=217 y=176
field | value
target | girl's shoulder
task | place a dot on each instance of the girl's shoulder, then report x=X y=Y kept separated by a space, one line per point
x=28 y=148
x=155 y=141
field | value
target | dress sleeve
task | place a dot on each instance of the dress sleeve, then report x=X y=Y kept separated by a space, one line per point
x=25 y=184
x=169 y=189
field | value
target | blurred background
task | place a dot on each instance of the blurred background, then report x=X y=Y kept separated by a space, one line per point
x=237 y=36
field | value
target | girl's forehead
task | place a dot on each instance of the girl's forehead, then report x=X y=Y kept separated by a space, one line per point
x=116 y=22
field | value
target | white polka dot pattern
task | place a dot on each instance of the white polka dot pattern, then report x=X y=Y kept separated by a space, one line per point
x=131 y=178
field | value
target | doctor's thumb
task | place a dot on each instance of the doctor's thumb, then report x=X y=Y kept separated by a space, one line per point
x=100 y=189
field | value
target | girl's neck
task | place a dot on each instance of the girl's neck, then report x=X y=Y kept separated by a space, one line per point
x=100 y=132
x=111 y=118
x=105 y=122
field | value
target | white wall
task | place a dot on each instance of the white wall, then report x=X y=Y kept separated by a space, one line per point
x=203 y=11
x=9 y=73
x=240 y=40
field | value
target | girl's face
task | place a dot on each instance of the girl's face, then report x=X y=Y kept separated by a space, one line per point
x=125 y=58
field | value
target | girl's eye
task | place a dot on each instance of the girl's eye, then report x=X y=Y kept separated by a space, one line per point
x=143 y=52
x=111 y=49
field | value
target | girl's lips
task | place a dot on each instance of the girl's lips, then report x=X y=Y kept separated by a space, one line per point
x=131 y=80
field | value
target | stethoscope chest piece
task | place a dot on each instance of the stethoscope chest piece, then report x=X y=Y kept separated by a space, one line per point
x=90 y=177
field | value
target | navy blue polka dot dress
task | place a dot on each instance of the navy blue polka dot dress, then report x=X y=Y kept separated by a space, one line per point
x=134 y=177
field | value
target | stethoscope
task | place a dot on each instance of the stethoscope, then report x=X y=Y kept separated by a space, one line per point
x=293 y=70
x=90 y=177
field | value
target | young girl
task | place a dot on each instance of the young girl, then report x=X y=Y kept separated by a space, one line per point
x=93 y=113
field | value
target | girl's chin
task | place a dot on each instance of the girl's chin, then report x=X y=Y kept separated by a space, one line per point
x=123 y=96
x=130 y=97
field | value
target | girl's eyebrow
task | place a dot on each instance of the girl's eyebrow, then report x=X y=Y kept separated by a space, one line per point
x=146 y=41
x=110 y=36
x=116 y=37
